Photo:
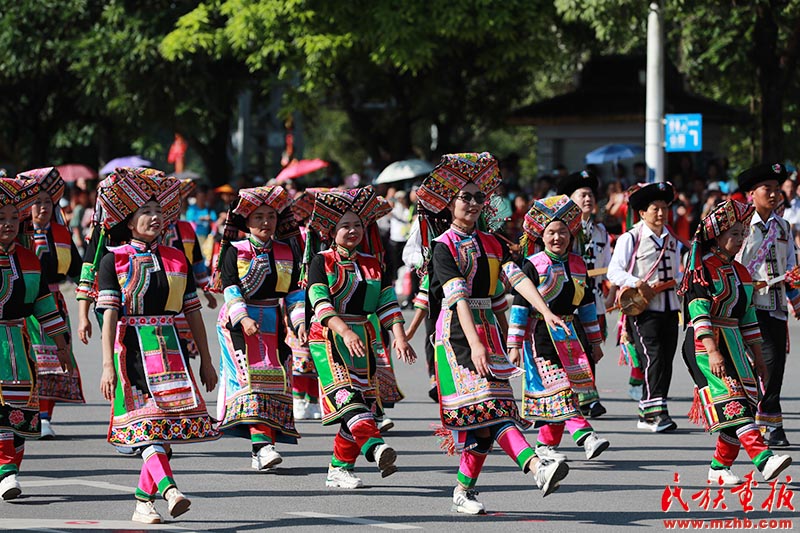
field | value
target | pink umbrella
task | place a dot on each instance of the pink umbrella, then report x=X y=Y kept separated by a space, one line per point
x=296 y=168
x=75 y=172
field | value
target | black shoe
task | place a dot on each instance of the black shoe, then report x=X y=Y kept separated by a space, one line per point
x=776 y=438
x=433 y=393
x=596 y=410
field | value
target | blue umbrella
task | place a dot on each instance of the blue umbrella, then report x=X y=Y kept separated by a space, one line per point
x=127 y=161
x=613 y=152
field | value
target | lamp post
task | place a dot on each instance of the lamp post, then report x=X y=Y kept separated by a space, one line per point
x=654 y=104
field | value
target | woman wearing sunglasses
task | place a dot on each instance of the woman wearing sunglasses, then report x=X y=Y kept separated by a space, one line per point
x=470 y=272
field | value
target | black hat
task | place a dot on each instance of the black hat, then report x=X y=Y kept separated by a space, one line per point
x=641 y=195
x=759 y=173
x=578 y=180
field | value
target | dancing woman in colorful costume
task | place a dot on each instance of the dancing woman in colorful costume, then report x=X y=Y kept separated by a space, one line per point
x=345 y=287
x=558 y=375
x=259 y=278
x=723 y=344
x=470 y=271
x=52 y=243
x=23 y=292
x=146 y=375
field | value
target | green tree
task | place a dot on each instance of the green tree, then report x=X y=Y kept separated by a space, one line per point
x=743 y=53
x=394 y=67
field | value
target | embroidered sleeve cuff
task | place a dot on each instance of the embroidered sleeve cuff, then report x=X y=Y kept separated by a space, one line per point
x=517 y=325
x=512 y=275
x=454 y=290
x=324 y=310
x=85 y=292
x=500 y=304
x=421 y=301
x=702 y=327
x=191 y=303
x=751 y=334
x=108 y=300
x=295 y=306
x=201 y=277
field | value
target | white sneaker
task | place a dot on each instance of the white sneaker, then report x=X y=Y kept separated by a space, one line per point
x=636 y=392
x=146 y=513
x=178 y=503
x=775 y=465
x=548 y=474
x=9 y=487
x=550 y=452
x=384 y=423
x=342 y=478
x=266 y=458
x=47 y=430
x=594 y=445
x=385 y=456
x=723 y=477
x=300 y=409
x=314 y=411
x=464 y=501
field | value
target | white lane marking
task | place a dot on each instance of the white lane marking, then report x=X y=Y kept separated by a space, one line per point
x=84 y=482
x=354 y=520
x=61 y=525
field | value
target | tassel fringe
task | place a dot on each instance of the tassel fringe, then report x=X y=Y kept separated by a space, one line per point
x=695 y=414
x=445 y=439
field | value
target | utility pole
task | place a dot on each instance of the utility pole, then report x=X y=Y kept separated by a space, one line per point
x=654 y=105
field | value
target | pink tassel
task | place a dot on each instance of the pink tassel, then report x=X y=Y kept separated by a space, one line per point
x=695 y=414
x=445 y=438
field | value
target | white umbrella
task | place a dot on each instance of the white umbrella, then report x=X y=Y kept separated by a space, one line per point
x=404 y=170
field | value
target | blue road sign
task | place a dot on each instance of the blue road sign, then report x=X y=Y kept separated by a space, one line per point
x=684 y=133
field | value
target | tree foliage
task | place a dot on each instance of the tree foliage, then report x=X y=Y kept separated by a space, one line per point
x=394 y=67
x=743 y=53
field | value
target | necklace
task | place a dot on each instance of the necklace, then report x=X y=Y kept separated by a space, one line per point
x=461 y=228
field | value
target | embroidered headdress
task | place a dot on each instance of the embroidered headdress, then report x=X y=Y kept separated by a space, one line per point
x=548 y=210
x=49 y=180
x=303 y=204
x=330 y=207
x=17 y=192
x=247 y=201
x=722 y=218
x=128 y=188
x=545 y=211
x=453 y=173
x=188 y=188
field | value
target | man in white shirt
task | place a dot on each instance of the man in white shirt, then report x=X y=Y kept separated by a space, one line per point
x=769 y=252
x=645 y=256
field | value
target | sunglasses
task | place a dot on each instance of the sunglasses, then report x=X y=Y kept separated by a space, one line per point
x=467 y=198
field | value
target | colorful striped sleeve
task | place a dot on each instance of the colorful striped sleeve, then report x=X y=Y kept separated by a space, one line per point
x=748 y=325
x=421 y=299
x=587 y=314
x=46 y=312
x=454 y=290
x=295 y=303
x=499 y=302
x=191 y=302
x=388 y=310
x=234 y=301
x=700 y=314
x=511 y=274
x=517 y=325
